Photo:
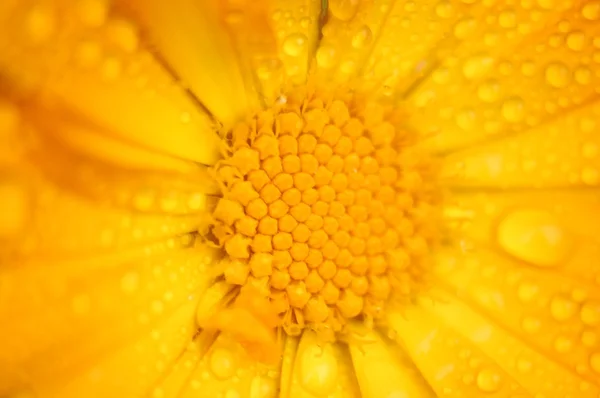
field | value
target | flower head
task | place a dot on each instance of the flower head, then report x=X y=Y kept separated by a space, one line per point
x=343 y=198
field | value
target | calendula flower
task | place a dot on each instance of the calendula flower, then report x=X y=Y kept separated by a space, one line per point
x=299 y=198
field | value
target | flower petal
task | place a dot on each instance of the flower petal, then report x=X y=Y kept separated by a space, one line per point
x=554 y=314
x=533 y=370
x=93 y=61
x=486 y=88
x=351 y=29
x=452 y=365
x=563 y=153
x=296 y=25
x=227 y=369
x=318 y=370
x=143 y=361
x=557 y=234
x=383 y=370
x=188 y=33
x=97 y=305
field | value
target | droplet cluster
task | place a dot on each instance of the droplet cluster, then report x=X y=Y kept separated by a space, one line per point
x=327 y=206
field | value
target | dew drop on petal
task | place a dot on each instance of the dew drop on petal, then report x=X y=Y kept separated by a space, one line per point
x=576 y=41
x=92 y=12
x=362 y=37
x=318 y=370
x=222 y=363
x=535 y=236
x=15 y=208
x=595 y=362
x=590 y=313
x=513 y=110
x=326 y=56
x=558 y=75
x=591 y=10
x=294 y=44
x=343 y=9
x=562 y=308
x=527 y=292
x=489 y=91
x=40 y=23
x=477 y=66
x=489 y=380
x=590 y=176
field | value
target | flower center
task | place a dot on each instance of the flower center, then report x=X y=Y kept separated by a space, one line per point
x=328 y=207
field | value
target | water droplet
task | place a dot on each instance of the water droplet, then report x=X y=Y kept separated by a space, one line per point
x=231 y=394
x=123 y=34
x=590 y=313
x=444 y=9
x=527 y=291
x=547 y=4
x=15 y=209
x=318 y=369
x=268 y=68
x=464 y=28
x=477 y=66
x=583 y=75
x=524 y=365
x=262 y=387
x=466 y=119
x=590 y=176
x=591 y=11
x=507 y=19
x=489 y=380
x=92 y=12
x=326 y=56
x=513 y=110
x=489 y=91
x=576 y=41
x=130 y=282
x=343 y=9
x=40 y=23
x=562 y=308
x=535 y=236
x=362 y=38
x=595 y=362
x=222 y=363
x=81 y=304
x=530 y=324
x=111 y=68
x=558 y=75
x=562 y=344
x=295 y=44
x=88 y=53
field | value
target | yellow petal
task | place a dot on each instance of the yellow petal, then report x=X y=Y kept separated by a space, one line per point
x=227 y=370
x=94 y=61
x=349 y=34
x=521 y=68
x=383 y=370
x=177 y=375
x=452 y=365
x=59 y=223
x=143 y=361
x=535 y=371
x=97 y=305
x=547 y=310
x=296 y=26
x=413 y=38
x=563 y=153
x=559 y=233
x=318 y=370
x=141 y=190
x=189 y=33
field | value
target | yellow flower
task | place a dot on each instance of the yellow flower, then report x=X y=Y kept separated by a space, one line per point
x=299 y=198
